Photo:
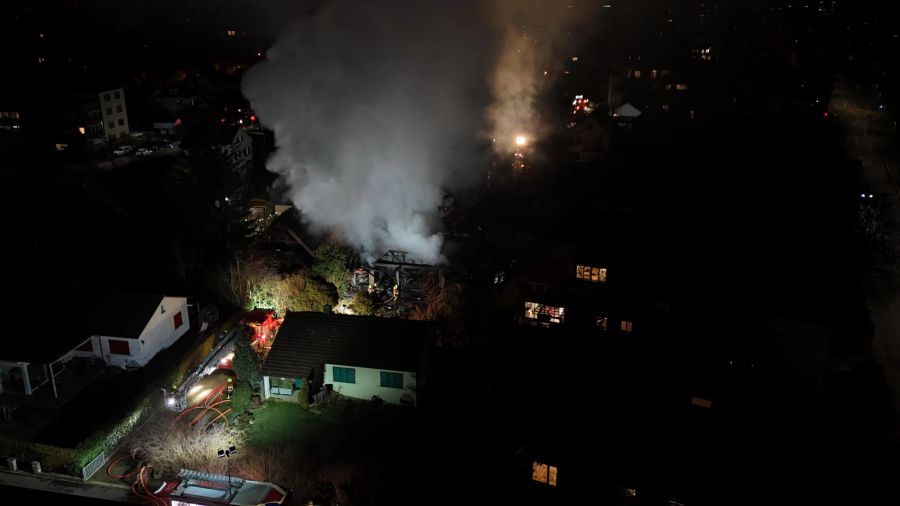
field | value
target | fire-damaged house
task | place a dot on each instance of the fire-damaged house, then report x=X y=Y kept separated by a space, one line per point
x=355 y=356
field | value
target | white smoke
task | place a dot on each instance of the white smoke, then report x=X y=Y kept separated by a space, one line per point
x=537 y=39
x=372 y=104
x=375 y=106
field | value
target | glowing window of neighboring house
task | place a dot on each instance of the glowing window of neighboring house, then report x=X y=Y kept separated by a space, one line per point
x=681 y=87
x=654 y=73
x=625 y=326
x=601 y=322
x=637 y=74
x=588 y=273
x=534 y=311
x=665 y=107
x=543 y=473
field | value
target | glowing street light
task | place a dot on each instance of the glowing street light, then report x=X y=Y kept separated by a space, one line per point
x=521 y=140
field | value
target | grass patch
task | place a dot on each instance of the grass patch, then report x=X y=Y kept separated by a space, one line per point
x=279 y=423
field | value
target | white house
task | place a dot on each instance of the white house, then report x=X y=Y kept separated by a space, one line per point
x=355 y=356
x=132 y=339
x=122 y=329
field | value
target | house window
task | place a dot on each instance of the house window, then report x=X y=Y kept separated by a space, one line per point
x=543 y=473
x=653 y=74
x=681 y=87
x=118 y=107
x=588 y=273
x=177 y=319
x=108 y=111
x=117 y=95
x=625 y=326
x=121 y=121
x=665 y=107
x=119 y=347
x=343 y=375
x=106 y=97
x=637 y=74
x=601 y=322
x=553 y=314
x=391 y=379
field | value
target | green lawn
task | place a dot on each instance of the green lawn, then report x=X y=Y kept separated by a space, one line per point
x=281 y=423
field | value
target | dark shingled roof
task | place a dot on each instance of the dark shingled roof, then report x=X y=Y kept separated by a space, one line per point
x=65 y=320
x=307 y=341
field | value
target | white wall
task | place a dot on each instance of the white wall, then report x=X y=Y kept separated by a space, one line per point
x=368 y=383
x=158 y=334
x=112 y=117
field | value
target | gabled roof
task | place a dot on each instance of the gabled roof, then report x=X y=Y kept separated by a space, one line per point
x=67 y=319
x=307 y=341
x=627 y=111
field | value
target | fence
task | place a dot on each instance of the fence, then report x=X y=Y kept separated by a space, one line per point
x=93 y=466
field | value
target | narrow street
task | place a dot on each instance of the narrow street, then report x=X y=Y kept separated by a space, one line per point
x=869 y=138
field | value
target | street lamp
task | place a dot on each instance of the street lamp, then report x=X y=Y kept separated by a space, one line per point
x=227 y=453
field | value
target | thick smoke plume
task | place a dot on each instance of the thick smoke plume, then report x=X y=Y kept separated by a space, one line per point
x=373 y=104
x=537 y=39
x=376 y=106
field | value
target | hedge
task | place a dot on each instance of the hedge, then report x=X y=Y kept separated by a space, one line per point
x=108 y=437
x=52 y=458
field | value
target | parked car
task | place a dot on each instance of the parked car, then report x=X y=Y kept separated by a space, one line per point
x=144 y=152
x=123 y=150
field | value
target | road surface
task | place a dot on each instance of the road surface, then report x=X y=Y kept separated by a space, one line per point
x=870 y=138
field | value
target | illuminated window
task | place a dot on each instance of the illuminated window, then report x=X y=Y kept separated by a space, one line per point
x=637 y=74
x=681 y=87
x=231 y=33
x=601 y=322
x=543 y=473
x=177 y=319
x=625 y=326
x=343 y=375
x=653 y=74
x=391 y=379
x=588 y=273
x=81 y=130
x=553 y=314
x=665 y=107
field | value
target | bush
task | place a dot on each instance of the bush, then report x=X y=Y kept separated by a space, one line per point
x=303 y=395
x=362 y=304
x=52 y=458
x=240 y=399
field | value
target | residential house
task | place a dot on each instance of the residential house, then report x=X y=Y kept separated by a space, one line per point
x=354 y=356
x=590 y=138
x=114 y=114
x=122 y=329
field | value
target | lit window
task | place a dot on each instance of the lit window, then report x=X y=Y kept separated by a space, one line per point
x=653 y=74
x=588 y=273
x=681 y=87
x=81 y=130
x=343 y=375
x=625 y=326
x=637 y=74
x=231 y=33
x=553 y=314
x=543 y=473
x=665 y=107
x=602 y=322
x=391 y=379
